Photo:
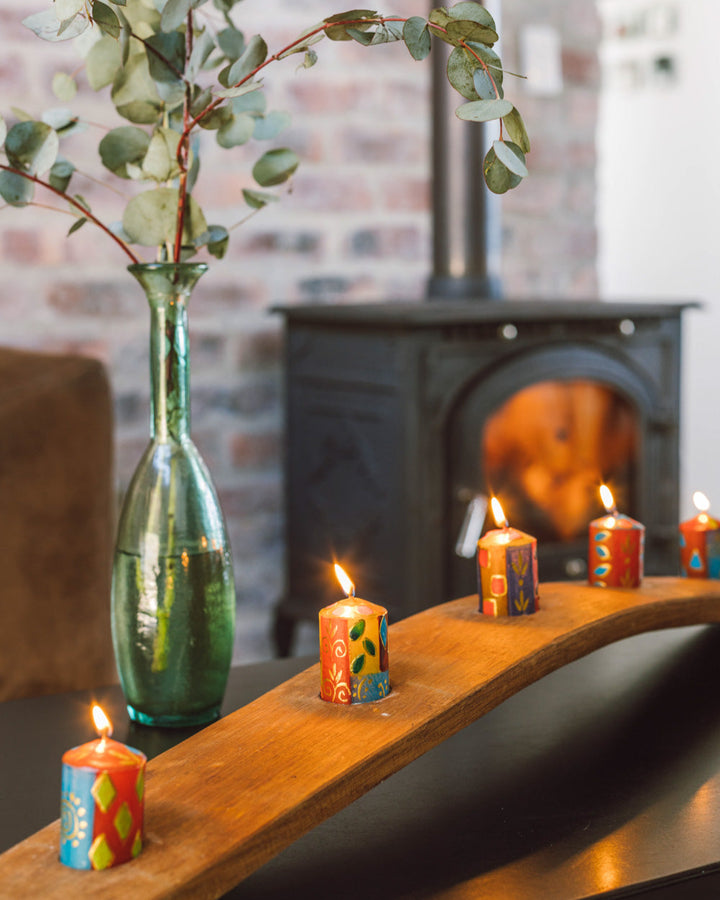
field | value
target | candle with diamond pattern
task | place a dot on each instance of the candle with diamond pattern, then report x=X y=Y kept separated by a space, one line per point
x=507 y=569
x=700 y=542
x=353 y=648
x=616 y=550
x=102 y=803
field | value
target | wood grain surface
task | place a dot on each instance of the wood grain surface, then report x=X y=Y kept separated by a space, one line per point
x=227 y=800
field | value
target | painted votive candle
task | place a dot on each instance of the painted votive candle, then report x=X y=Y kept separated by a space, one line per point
x=102 y=801
x=353 y=648
x=507 y=569
x=700 y=542
x=616 y=547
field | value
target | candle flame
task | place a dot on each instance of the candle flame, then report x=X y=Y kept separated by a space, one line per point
x=103 y=725
x=498 y=513
x=701 y=501
x=607 y=498
x=345 y=582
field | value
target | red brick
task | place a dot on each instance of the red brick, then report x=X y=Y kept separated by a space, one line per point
x=256 y=451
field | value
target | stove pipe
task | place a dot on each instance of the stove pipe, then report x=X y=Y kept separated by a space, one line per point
x=466 y=229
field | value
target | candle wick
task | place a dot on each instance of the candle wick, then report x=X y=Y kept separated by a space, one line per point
x=352 y=592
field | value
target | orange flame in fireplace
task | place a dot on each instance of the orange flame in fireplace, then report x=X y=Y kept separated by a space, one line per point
x=546 y=449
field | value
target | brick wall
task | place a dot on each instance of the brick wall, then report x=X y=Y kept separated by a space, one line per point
x=356 y=226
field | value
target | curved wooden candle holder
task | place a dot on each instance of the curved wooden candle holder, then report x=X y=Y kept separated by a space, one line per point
x=227 y=800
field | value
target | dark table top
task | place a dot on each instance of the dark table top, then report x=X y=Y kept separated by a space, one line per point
x=602 y=779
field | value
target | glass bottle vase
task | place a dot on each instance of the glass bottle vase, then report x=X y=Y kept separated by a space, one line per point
x=173 y=593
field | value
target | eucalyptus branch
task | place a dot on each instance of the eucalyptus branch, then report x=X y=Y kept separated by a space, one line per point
x=161 y=92
x=85 y=212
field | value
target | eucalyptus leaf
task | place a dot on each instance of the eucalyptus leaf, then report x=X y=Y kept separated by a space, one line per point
x=237 y=131
x=469 y=9
x=250 y=101
x=231 y=42
x=216 y=239
x=15 y=190
x=467 y=30
x=194 y=170
x=491 y=60
x=351 y=19
x=254 y=55
x=60 y=174
x=417 y=37
x=498 y=177
x=105 y=19
x=485 y=87
x=515 y=126
x=62 y=120
x=127 y=144
x=217 y=117
x=46 y=26
x=309 y=59
x=351 y=15
x=66 y=9
x=258 y=199
x=166 y=57
x=203 y=45
x=362 y=37
x=134 y=93
x=175 y=12
x=269 y=126
x=103 y=62
x=64 y=86
x=275 y=167
x=460 y=70
x=302 y=46
x=438 y=21
x=483 y=110
x=76 y=225
x=344 y=32
x=200 y=101
x=32 y=147
x=160 y=161
x=150 y=218
x=82 y=201
x=511 y=156
x=237 y=91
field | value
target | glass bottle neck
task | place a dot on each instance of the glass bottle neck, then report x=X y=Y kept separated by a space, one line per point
x=168 y=287
x=169 y=369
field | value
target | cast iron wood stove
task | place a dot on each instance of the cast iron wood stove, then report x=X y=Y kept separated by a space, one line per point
x=398 y=415
x=401 y=417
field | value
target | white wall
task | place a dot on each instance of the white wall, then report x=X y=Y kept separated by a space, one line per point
x=659 y=197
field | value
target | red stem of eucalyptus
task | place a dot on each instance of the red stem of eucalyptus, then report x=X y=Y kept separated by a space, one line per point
x=183 y=149
x=73 y=202
x=189 y=124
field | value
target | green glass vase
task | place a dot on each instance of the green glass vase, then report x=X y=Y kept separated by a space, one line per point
x=173 y=593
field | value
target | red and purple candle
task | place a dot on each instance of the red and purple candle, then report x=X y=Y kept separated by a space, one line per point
x=102 y=802
x=616 y=547
x=507 y=569
x=700 y=542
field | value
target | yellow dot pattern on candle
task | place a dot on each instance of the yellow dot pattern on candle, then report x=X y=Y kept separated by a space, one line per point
x=73 y=821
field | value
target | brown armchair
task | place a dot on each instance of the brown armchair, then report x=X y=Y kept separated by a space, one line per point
x=56 y=523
